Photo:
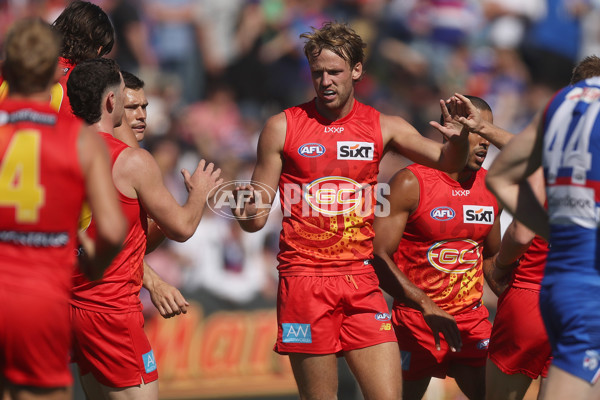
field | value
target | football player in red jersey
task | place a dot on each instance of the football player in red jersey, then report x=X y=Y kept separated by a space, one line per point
x=50 y=162
x=111 y=348
x=429 y=254
x=519 y=349
x=324 y=156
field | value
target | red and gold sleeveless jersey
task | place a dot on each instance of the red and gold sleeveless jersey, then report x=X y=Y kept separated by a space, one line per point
x=58 y=93
x=41 y=193
x=441 y=250
x=119 y=288
x=529 y=273
x=327 y=191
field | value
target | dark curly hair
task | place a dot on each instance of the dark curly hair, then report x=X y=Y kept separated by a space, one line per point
x=88 y=84
x=86 y=30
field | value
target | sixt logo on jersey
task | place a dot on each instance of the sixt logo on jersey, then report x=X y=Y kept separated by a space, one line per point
x=355 y=151
x=442 y=213
x=478 y=215
x=311 y=150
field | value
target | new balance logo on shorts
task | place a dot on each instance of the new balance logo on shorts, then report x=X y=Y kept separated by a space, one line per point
x=149 y=361
x=296 y=333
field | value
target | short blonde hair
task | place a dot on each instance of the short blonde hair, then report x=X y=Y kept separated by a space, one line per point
x=338 y=38
x=32 y=47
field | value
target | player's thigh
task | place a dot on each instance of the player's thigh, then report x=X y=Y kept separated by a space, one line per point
x=501 y=386
x=28 y=393
x=562 y=385
x=316 y=375
x=415 y=390
x=470 y=380
x=377 y=370
x=96 y=391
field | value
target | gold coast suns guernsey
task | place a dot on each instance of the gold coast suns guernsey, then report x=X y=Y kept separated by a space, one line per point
x=327 y=191
x=42 y=189
x=441 y=250
x=119 y=288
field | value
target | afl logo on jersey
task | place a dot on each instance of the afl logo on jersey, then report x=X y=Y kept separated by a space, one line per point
x=454 y=256
x=311 y=150
x=442 y=213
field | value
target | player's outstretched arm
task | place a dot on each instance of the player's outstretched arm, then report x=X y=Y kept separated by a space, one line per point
x=403 y=199
x=406 y=140
x=137 y=175
x=269 y=163
x=167 y=299
x=111 y=225
x=515 y=242
x=507 y=178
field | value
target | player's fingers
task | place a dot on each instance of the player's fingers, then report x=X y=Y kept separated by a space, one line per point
x=179 y=299
x=161 y=311
x=436 y=337
x=466 y=122
x=185 y=306
x=167 y=307
x=445 y=113
x=186 y=174
x=174 y=307
x=452 y=336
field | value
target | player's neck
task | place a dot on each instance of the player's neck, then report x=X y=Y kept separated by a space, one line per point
x=462 y=176
x=41 y=97
x=334 y=114
x=105 y=125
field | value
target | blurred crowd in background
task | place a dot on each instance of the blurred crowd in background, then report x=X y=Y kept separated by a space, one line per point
x=215 y=70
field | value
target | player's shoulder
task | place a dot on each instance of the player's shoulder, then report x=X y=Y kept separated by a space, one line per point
x=136 y=156
x=406 y=178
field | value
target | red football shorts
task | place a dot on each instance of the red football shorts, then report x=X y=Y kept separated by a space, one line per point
x=35 y=338
x=519 y=343
x=420 y=359
x=331 y=314
x=113 y=347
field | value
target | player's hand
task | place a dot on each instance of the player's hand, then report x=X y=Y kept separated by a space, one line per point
x=441 y=322
x=204 y=179
x=168 y=300
x=452 y=129
x=498 y=276
x=246 y=200
x=463 y=110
